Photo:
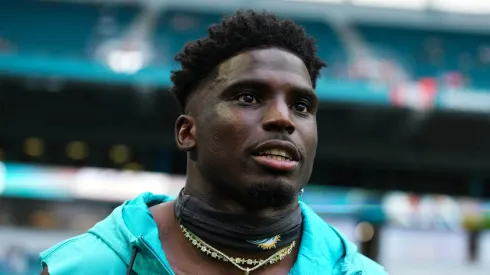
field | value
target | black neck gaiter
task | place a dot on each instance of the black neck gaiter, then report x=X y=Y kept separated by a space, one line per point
x=241 y=232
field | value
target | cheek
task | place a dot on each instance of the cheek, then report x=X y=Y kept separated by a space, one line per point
x=226 y=128
x=314 y=140
x=236 y=120
x=309 y=134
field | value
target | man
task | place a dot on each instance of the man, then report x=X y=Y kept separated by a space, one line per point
x=249 y=129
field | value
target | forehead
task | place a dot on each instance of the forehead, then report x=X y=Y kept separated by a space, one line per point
x=273 y=66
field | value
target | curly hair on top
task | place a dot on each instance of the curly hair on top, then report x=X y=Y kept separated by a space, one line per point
x=241 y=31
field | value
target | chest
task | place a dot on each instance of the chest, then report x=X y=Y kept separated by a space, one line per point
x=185 y=259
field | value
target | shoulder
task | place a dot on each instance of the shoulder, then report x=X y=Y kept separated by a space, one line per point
x=163 y=215
x=83 y=254
x=353 y=259
x=334 y=248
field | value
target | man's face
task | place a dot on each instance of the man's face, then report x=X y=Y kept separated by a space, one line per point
x=255 y=128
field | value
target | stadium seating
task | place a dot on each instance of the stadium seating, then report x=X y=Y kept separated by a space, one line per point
x=61 y=38
x=432 y=53
x=48 y=28
x=176 y=28
x=52 y=28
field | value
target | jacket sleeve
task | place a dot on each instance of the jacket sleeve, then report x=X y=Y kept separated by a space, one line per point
x=370 y=267
x=81 y=255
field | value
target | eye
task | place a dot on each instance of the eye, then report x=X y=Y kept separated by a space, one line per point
x=301 y=107
x=248 y=98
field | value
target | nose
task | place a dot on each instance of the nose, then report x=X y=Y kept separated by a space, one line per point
x=277 y=117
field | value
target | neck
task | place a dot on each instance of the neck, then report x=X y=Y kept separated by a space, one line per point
x=223 y=202
x=173 y=240
x=220 y=198
x=238 y=253
x=237 y=232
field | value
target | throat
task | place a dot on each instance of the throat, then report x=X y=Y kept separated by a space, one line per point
x=243 y=234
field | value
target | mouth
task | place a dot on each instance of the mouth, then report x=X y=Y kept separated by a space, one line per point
x=277 y=155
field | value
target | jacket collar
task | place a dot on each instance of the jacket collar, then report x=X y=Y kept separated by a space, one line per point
x=131 y=225
x=323 y=248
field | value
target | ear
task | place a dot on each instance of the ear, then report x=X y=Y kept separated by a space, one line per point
x=185 y=133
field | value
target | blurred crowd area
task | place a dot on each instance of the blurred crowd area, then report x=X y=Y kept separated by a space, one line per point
x=403 y=163
x=131 y=38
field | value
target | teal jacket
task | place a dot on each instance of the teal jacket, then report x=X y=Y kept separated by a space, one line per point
x=108 y=247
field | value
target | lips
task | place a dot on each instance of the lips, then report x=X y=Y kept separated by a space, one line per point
x=277 y=155
x=277 y=148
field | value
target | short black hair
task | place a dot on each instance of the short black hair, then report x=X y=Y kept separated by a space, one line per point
x=241 y=31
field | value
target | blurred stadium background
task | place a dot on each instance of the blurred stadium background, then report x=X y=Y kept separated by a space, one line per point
x=403 y=164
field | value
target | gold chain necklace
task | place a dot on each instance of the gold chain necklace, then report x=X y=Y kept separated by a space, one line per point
x=216 y=254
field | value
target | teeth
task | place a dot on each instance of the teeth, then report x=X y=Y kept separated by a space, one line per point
x=277 y=154
x=277 y=158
